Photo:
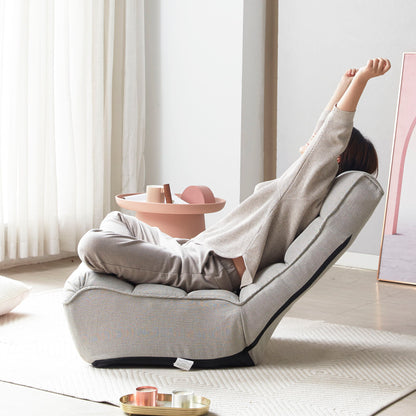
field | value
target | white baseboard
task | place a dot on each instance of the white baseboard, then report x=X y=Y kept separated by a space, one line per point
x=7 y=264
x=358 y=260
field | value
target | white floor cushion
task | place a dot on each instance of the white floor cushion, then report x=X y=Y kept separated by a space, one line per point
x=12 y=292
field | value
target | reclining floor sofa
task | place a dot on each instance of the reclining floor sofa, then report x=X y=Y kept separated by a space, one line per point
x=117 y=324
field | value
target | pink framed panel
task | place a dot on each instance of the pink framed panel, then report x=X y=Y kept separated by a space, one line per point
x=398 y=247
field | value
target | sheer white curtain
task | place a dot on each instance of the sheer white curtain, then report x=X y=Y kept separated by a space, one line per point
x=56 y=109
x=134 y=98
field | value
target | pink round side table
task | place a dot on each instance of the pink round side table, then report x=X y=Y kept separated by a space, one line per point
x=176 y=220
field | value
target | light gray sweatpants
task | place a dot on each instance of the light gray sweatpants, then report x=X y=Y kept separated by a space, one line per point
x=139 y=253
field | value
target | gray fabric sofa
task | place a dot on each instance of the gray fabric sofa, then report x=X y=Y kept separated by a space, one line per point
x=115 y=323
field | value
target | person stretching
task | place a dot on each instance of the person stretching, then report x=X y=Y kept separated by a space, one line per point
x=258 y=232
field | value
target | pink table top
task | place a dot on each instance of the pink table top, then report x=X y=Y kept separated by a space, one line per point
x=163 y=208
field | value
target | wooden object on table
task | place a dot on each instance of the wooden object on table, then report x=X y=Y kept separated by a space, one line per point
x=168 y=195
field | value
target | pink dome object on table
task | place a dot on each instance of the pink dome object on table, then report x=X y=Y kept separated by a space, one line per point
x=198 y=195
x=176 y=220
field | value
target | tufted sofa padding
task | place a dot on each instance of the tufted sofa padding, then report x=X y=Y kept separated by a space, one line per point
x=115 y=323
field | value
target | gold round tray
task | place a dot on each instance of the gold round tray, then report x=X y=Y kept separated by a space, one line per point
x=200 y=406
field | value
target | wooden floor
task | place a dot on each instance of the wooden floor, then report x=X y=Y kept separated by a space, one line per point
x=344 y=295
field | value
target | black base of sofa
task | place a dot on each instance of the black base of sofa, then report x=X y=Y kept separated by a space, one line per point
x=241 y=359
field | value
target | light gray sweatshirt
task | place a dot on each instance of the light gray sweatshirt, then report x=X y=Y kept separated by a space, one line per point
x=263 y=226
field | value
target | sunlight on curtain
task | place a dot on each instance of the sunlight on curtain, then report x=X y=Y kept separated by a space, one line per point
x=81 y=133
x=56 y=77
x=27 y=147
x=134 y=91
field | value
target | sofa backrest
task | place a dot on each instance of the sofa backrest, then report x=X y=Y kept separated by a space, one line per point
x=349 y=204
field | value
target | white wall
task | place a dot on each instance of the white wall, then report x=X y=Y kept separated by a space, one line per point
x=318 y=40
x=194 y=75
x=252 y=111
x=196 y=93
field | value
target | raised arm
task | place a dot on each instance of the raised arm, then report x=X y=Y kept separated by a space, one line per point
x=374 y=68
x=342 y=86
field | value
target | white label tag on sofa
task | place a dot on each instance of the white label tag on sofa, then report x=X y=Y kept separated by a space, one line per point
x=183 y=364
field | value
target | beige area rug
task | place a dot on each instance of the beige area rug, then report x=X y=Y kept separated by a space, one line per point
x=311 y=367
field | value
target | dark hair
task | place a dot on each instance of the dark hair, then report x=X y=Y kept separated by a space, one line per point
x=360 y=154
